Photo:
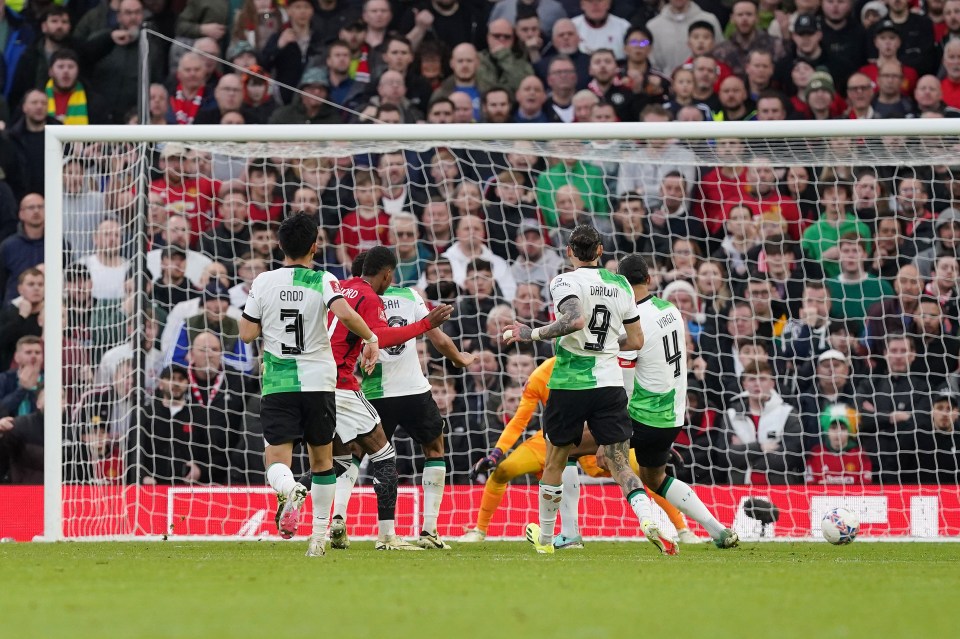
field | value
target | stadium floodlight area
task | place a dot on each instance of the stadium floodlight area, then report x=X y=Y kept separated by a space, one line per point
x=117 y=310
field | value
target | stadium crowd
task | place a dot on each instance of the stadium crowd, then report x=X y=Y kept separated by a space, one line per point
x=821 y=300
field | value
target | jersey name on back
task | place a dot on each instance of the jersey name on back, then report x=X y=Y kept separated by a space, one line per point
x=659 y=397
x=398 y=372
x=588 y=358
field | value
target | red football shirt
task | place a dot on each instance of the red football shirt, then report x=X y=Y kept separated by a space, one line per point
x=848 y=467
x=347 y=345
x=361 y=233
x=194 y=198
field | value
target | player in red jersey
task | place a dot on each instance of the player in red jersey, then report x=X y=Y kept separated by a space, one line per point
x=357 y=419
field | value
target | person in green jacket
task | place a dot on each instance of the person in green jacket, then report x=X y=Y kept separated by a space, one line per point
x=854 y=290
x=586 y=178
x=819 y=241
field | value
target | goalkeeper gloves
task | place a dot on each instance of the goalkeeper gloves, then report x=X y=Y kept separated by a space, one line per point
x=490 y=461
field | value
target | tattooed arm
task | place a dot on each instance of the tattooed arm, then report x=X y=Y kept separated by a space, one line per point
x=569 y=320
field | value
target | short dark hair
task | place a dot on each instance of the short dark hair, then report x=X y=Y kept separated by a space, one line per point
x=634 y=268
x=356 y=268
x=584 y=242
x=297 y=234
x=637 y=29
x=377 y=259
x=479 y=264
x=64 y=54
x=54 y=10
x=701 y=24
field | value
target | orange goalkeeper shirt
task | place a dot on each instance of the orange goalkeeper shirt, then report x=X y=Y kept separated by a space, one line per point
x=535 y=392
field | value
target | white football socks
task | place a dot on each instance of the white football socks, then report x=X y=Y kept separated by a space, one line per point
x=322 y=489
x=549 y=502
x=281 y=479
x=434 y=478
x=685 y=499
x=570 y=506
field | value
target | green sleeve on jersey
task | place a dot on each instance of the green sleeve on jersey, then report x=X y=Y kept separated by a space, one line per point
x=617 y=280
x=653 y=409
x=308 y=279
x=572 y=371
x=372 y=384
x=280 y=375
x=400 y=291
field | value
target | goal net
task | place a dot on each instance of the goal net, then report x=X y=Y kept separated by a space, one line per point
x=815 y=266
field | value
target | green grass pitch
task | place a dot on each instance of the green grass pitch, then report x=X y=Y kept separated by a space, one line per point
x=494 y=590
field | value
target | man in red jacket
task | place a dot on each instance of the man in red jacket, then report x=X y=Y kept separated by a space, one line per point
x=357 y=420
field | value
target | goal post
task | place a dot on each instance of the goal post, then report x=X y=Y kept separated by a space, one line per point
x=118 y=507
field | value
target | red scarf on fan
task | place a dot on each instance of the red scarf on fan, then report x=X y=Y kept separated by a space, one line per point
x=362 y=72
x=185 y=110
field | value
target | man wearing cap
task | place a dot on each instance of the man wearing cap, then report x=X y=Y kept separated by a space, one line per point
x=168 y=449
x=310 y=108
x=937 y=443
x=843 y=39
x=831 y=385
x=819 y=96
x=838 y=459
x=806 y=38
x=916 y=31
x=213 y=319
x=872 y=12
x=242 y=54
x=172 y=286
x=890 y=403
x=888 y=42
x=288 y=51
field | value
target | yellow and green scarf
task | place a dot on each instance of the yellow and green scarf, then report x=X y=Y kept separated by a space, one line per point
x=76 y=105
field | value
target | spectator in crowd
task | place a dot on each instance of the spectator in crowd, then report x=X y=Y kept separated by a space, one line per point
x=854 y=290
x=889 y=405
x=740 y=239
x=24 y=249
x=607 y=83
x=654 y=160
x=479 y=298
x=465 y=77
x=890 y=250
x=763 y=436
x=462 y=438
x=184 y=190
x=586 y=178
x=647 y=81
x=950 y=84
x=143 y=325
x=82 y=208
x=928 y=97
x=497 y=106
x=190 y=94
x=19 y=388
x=529 y=306
x=916 y=30
x=820 y=98
x=887 y=41
x=895 y=314
x=599 y=29
x=21 y=447
x=565 y=41
x=263 y=181
x=217 y=403
x=787 y=272
x=21 y=316
x=172 y=286
x=844 y=40
x=247 y=271
x=177 y=235
x=860 y=94
x=286 y=53
x=838 y=459
x=215 y=272
x=214 y=319
x=398 y=56
x=631 y=231
x=311 y=108
x=935 y=342
x=535 y=262
x=531 y=101
x=807 y=335
x=368 y=225
x=412 y=254
x=826 y=383
x=471 y=244
x=503 y=63
x=672 y=220
x=937 y=443
x=230 y=237
x=72 y=103
x=437 y=225
x=228 y=97
x=548 y=11
x=27 y=135
x=31 y=69
x=890 y=101
x=671 y=28
x=720 y=352
x=746 y=37
x=820 y=239
x=107 y=266
x=562 y=81
x=168 y=449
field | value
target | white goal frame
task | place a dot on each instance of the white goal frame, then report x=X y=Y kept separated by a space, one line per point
x=57 y=136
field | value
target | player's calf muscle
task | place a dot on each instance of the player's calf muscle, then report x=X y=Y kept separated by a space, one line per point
x=618 y=459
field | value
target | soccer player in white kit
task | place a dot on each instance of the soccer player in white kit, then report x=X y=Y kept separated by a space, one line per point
x=288 y=307
x=594 y=306
x=655 y=377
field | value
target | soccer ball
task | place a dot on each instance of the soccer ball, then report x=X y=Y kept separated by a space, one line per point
x=840 y=526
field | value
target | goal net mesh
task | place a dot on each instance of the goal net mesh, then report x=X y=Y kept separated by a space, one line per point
x=817 y=278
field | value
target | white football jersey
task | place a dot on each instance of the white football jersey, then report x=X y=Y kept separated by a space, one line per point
x=588 y=358
x=659 y=396
x=398 y=372
x=291 y=304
